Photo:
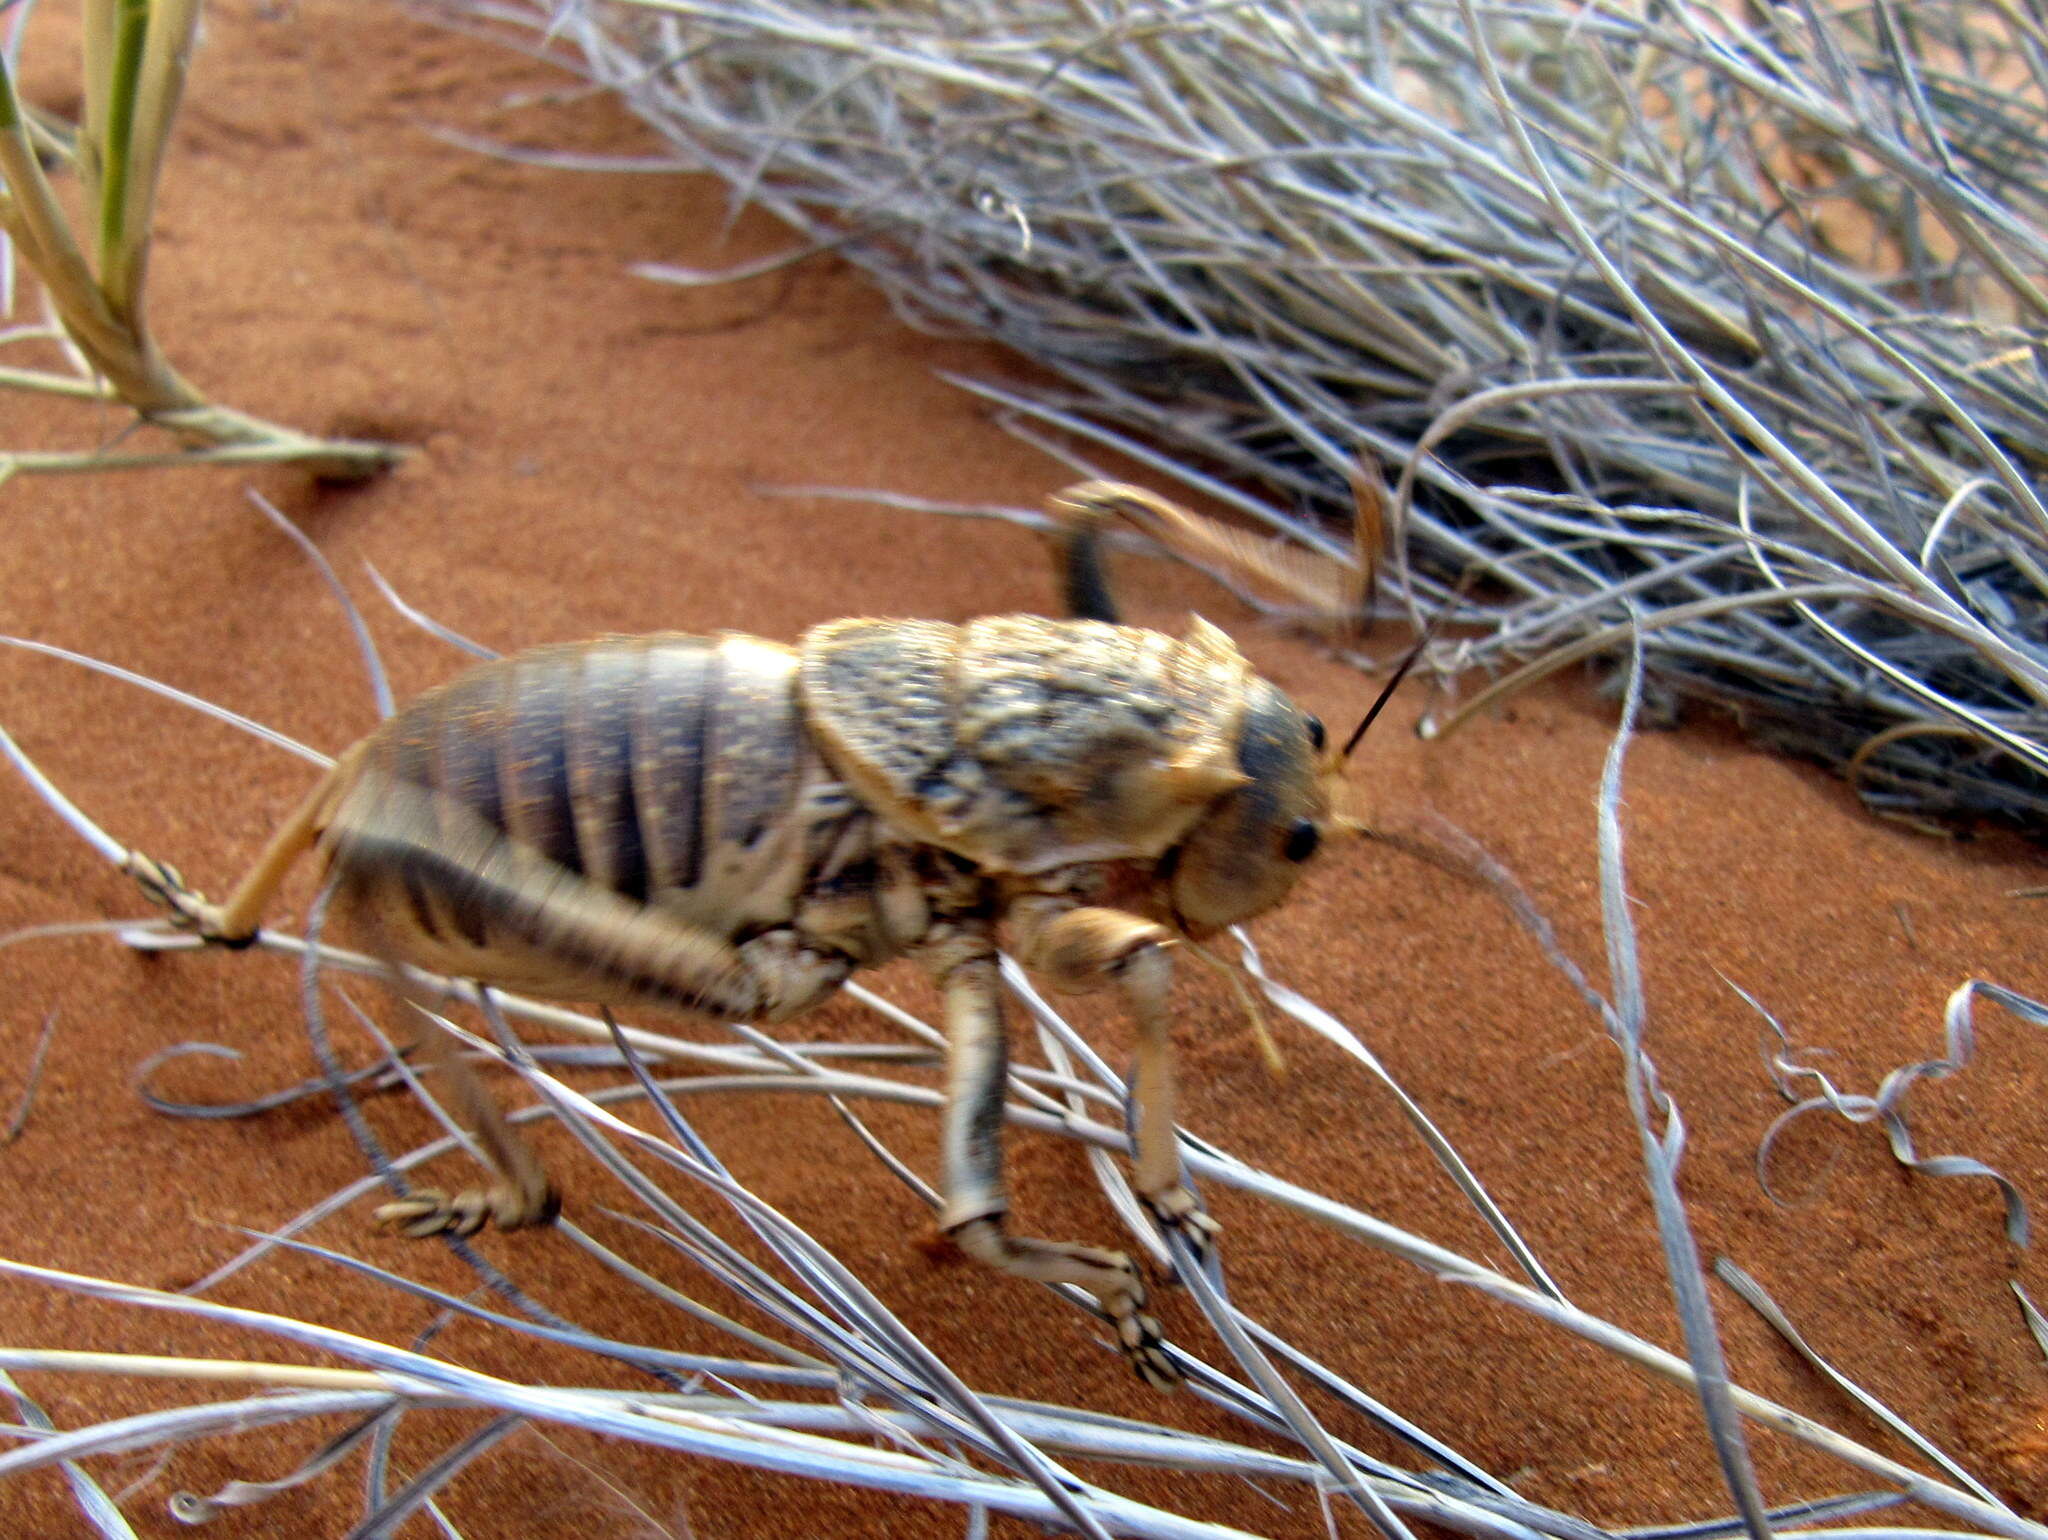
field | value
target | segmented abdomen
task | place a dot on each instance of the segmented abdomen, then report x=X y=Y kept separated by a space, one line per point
x=670 y=771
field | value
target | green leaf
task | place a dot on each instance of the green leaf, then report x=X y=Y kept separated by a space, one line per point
x=131 y=31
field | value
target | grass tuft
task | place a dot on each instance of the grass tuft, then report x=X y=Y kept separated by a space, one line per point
x=1700 y=328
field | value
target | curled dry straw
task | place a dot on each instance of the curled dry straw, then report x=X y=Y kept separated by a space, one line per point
x=1717 y=320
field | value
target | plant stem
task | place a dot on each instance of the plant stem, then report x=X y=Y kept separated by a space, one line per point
x=136 y=52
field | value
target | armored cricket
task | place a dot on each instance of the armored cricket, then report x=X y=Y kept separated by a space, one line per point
x=731 y=827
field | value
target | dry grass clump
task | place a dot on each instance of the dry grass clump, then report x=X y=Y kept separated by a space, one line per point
x=1708 y=323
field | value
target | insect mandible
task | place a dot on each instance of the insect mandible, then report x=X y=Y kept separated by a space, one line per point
x=726 y=826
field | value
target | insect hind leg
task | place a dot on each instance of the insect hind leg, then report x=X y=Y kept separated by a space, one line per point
x=626 y=955
x=234 y=924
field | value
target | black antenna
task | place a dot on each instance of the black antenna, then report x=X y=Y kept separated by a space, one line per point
x=1401 y=673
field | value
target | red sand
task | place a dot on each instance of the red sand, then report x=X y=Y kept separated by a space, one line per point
x=590 y=448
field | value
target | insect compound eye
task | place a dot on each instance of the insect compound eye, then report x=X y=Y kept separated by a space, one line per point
x=1316 y=736
x=1302 y=841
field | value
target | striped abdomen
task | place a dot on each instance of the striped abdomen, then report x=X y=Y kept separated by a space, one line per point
x=539 y=821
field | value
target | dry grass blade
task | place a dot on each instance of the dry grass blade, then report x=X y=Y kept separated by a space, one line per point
x=1627 y=297
x=1753 y=1294
x=1662 y=1146
x=1326 y=1026
x=98 y=1508
x=31 y=1078
x=2037 y=1323
x=1887 y=1106
x=726 y=1428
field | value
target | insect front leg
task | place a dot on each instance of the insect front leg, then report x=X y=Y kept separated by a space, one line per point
x=1082 y=949
x=972 y=1158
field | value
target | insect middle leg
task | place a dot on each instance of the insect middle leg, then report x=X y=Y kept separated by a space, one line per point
x=649 y=959
x=972 y=1158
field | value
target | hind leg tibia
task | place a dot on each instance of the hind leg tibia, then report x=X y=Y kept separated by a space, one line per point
x=235 y=922
x=660 y=961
